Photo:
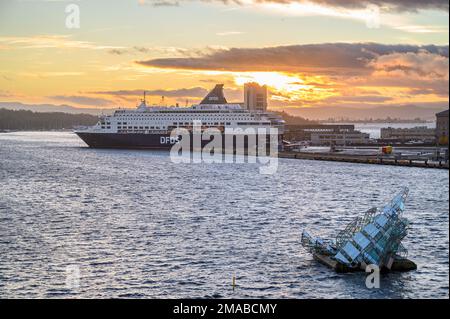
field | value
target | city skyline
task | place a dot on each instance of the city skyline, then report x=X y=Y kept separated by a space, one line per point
x=315 y=55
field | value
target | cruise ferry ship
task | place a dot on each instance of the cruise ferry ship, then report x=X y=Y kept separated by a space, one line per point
x=150 y=127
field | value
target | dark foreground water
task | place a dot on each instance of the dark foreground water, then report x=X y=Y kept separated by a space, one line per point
x=133 y=224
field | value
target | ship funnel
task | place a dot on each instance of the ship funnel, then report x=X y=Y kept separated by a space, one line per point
x=215 y=96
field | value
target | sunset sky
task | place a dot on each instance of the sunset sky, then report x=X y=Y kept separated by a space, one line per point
x=311 y=54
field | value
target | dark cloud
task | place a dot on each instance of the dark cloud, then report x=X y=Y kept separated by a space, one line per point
x=389 y=5
x=234 y=95
x=184 y=92
x=328 y=58
x=421 y=64
x=398 y=5
x=159 y=50
x=6 y=78
x=5 y=93
x=141 y=49
x=159 y=3
x=425 y=91
x=118 y=51
x=358 y=99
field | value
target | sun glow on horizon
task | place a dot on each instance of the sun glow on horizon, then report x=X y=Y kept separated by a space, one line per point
x=275 y=80
x=286 y=87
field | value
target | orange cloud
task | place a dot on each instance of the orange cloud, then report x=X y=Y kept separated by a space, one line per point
x=327 y=58
x=311 y=73
x=416 y=64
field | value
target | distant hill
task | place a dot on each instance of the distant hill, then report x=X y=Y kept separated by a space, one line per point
x=28 y=120
x=294 y=120
x=54 y=108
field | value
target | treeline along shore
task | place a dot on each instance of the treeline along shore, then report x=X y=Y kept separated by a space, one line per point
x=28 y=121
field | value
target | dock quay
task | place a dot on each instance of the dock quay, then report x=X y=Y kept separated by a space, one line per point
x=366 y=159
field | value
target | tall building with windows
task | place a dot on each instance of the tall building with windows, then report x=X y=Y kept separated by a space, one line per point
x=442 y=127
x=255 y=97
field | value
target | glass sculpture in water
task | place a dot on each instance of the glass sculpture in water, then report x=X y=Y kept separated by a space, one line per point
x=372 y=239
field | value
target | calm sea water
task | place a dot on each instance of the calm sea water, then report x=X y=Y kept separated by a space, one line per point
x=133 y=224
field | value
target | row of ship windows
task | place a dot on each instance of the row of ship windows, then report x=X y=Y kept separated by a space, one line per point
x=134 y=127
x=182 y=113
x=198 y=119
x=252 y=123
x=155 y=127
x=323 y=137
x=180 y=123
x=175 y=123
x=140 y=127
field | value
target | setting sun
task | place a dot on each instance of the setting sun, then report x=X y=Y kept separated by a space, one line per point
x=286 y=88
x=275 y=80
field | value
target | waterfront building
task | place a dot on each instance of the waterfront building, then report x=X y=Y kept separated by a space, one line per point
x=421 y=133
x=326 y=134
x=255 y=97
x=339 y=138
x=442 y=127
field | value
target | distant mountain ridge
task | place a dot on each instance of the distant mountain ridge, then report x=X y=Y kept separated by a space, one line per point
x=407 y=112
x=54 y=108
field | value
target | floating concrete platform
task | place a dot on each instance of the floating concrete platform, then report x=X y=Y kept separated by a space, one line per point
x=399 y=264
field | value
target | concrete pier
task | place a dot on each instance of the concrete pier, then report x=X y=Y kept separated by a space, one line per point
x=364 y=159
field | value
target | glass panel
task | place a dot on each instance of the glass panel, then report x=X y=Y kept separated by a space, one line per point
x=361 y=240
x=351 y=251
x=341 y=258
